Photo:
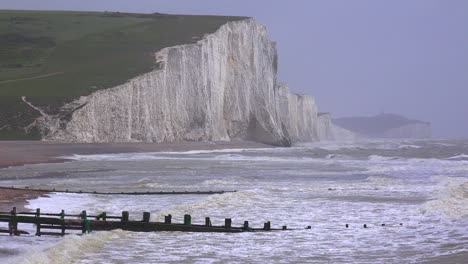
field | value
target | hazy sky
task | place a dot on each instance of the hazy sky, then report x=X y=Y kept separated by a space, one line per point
x=357 y=57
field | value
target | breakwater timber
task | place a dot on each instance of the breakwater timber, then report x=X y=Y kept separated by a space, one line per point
x=84 y=223
x=115 y=193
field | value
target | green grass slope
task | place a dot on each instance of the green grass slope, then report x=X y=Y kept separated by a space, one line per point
x=54 y=57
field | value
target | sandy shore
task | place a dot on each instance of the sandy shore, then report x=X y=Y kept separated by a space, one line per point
x=18 y=198
x=17 y=153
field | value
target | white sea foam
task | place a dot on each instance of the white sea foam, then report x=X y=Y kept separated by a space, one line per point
x=409 y=147
x=450 y=198
x=381 y=158
x=461 y=157
x=69 y=249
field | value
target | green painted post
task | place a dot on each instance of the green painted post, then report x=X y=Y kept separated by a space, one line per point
x=187 y=219
x=86 y=224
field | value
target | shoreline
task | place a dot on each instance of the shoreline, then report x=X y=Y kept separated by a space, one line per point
x=19 y=153
x=17 y=198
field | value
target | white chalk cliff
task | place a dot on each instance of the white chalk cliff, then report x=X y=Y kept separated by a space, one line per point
x=224 y=87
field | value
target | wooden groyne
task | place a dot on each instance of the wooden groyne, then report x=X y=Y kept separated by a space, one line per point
x=117 y=193
x=61 y=224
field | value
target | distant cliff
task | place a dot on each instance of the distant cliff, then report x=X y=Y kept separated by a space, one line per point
x=386 y=126
x=327 y=131
x=223 y=87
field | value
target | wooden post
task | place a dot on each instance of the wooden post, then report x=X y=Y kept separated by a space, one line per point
x=38 y=223
x=146 y=217
x=285 y=227
x=187 y=219
x=207 y=222
x=168 y=219
x=13 y=225
x=227 y=223
x=104 y=216
x=125 y=216
x=246 y=225
x=62 y=216
x=83 y=216
x=267 y=226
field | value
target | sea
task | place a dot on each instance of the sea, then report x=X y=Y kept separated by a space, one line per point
x=412 y=195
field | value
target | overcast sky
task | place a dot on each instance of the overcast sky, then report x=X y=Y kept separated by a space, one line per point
x=357 y=57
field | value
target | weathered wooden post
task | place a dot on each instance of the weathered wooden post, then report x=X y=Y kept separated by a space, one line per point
x=227 y=223
x=82 y=216
x=267 y=226
x=125 y=216
x=285 y=227
x=13 y=224
x=146 y=217
x=187 y=219
x=207 y=222
x=168 y=219
x=62 y=217
x=246 y=225
x=38 y=223
x=104 y=216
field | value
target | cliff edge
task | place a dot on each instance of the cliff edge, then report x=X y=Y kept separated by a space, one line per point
x=223 y=87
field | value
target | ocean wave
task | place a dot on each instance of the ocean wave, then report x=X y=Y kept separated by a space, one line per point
x=337 y=156
x=461 y=157
x=381 y=158
x=217 y=201
x=409 y=147
x=69 y=249
x=450 y=199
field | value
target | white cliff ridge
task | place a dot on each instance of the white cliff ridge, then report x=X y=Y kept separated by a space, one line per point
x=224 y=87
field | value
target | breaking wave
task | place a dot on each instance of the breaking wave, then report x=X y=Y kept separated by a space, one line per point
x=451 y=198
x=69 y=249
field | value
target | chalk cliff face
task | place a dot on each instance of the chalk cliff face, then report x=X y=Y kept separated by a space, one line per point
x=224 y=87
x=327 y=131
x=299 y=114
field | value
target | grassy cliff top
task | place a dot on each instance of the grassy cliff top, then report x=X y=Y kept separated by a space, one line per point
x=54 y=57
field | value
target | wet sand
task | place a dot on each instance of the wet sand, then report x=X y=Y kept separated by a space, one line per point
x=17 y=153
x=18 y=198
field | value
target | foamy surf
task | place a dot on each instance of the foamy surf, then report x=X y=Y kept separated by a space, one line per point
x=450 y=198
x=371 y=183
x=68 y=250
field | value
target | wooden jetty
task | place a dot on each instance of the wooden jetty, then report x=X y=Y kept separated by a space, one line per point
x=62 y=224
x=117 y=193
